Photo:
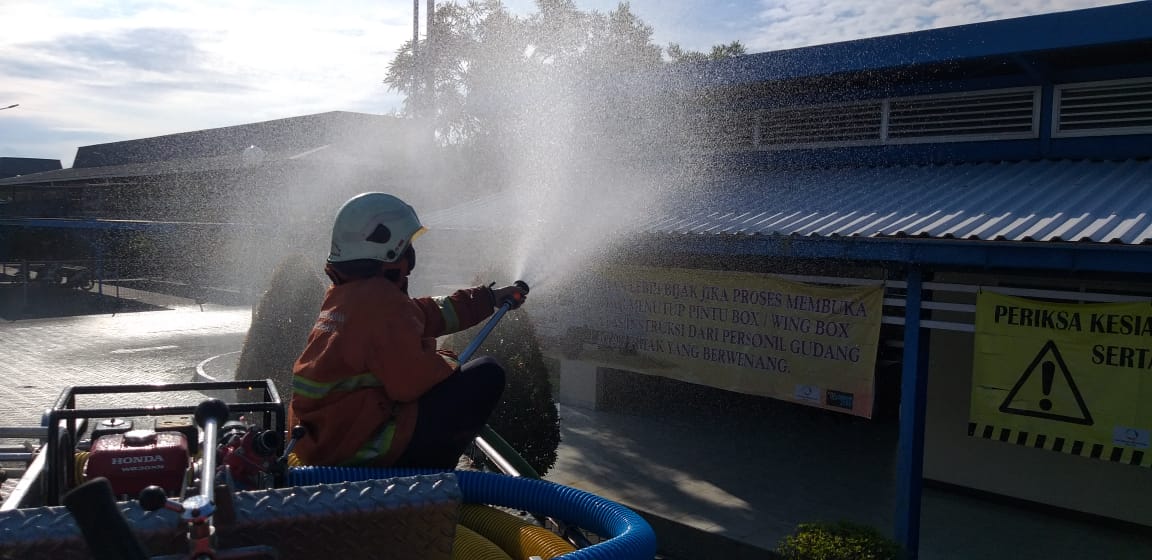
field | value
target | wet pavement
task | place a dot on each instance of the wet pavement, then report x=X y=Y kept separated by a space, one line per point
x=39 y=357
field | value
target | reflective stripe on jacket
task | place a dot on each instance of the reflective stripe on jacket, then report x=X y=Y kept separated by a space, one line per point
x=370 y=356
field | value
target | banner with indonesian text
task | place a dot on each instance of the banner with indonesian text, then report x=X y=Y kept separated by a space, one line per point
x=739 y=331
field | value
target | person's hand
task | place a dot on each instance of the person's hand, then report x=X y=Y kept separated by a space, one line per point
x=509 y=294
x=450 y=357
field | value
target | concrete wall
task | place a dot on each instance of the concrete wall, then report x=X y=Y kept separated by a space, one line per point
x=1068 y=481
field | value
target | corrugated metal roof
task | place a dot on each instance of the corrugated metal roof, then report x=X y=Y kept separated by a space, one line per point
x=215 y=163
x=1066 y=200
x=13 y=166
x=227 y=162
x=287 y=135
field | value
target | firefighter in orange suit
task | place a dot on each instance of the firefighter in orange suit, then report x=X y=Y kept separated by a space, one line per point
x=371 y=388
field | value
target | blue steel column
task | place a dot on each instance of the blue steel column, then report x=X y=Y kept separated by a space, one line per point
x=100 y=264
x=913 y=396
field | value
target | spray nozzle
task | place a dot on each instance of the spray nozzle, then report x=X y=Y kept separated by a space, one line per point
x=516 y=299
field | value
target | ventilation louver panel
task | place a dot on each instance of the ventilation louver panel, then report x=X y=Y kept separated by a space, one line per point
x=1010 y=114
x=834 y=124
x=720 y=130
x=1123 y=107
x=739 y=130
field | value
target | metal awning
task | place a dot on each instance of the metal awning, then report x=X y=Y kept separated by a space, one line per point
x=1090 y=201
x=1050 y=200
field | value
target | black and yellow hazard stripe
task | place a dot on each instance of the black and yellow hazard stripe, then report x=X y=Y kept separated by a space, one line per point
x=1111 y=453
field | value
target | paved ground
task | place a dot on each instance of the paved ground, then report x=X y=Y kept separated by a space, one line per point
x=42 y=356
x=716 y=486
x=752 y=483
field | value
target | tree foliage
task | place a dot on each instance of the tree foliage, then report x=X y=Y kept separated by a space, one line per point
x=474 y=43
x=719 y=52
x=483 y=66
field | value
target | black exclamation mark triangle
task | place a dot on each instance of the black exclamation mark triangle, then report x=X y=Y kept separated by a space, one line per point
x=1050 y=362
x=1048 y=369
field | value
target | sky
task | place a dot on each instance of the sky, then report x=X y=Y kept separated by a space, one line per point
x=91 y=71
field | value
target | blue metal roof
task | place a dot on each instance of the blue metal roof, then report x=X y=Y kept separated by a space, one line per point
x=1050 y=200
x=1064 y=30
x=1095 y=201
x=119 y=225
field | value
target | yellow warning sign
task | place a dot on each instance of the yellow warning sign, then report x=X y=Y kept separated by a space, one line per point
x=1073 y=378
x=1047 y=390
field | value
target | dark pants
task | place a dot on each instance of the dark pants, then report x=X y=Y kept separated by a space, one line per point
x=452 y=414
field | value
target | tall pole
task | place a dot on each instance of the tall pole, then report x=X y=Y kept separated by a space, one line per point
x=429 y=86
x=414 y=95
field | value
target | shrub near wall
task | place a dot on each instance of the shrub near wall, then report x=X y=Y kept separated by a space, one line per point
x=526 y=417
x=838 y=541
x=281 y=321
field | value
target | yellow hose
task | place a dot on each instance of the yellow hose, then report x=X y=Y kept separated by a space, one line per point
x=515 y=536
x=486 y=533
x=470 y=545
x=81 y=459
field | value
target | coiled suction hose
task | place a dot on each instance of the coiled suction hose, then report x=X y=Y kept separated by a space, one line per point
x=470 y=545
x=513 y=535
x=631 y=538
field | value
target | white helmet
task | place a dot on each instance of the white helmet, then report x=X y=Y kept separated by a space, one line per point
x=374 y=226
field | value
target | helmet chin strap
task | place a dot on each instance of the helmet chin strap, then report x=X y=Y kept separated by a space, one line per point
x=409 y=256
x=405 y=264
x=405 y=269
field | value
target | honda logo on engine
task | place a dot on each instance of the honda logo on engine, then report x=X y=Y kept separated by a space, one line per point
x=137 y=459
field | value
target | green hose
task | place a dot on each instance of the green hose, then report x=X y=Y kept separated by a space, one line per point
x=507 y=453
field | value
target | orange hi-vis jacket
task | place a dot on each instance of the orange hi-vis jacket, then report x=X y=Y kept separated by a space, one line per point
x=370 y=356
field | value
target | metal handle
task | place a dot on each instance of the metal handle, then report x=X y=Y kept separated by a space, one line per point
x=209 y=415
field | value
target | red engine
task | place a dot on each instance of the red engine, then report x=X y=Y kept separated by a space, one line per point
x=134 y=460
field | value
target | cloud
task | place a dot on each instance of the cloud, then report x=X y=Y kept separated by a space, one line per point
x=153 y=50
x=145 y=90
x=27 y=137
x=783 y=24
x=131 y=69
x=134 y=60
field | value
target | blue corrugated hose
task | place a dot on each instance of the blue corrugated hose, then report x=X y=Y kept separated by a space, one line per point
x=630 y=537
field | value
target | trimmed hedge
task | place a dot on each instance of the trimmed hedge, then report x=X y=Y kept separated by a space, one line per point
x=838 y=541
x=526 y=417
x=281 y=321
